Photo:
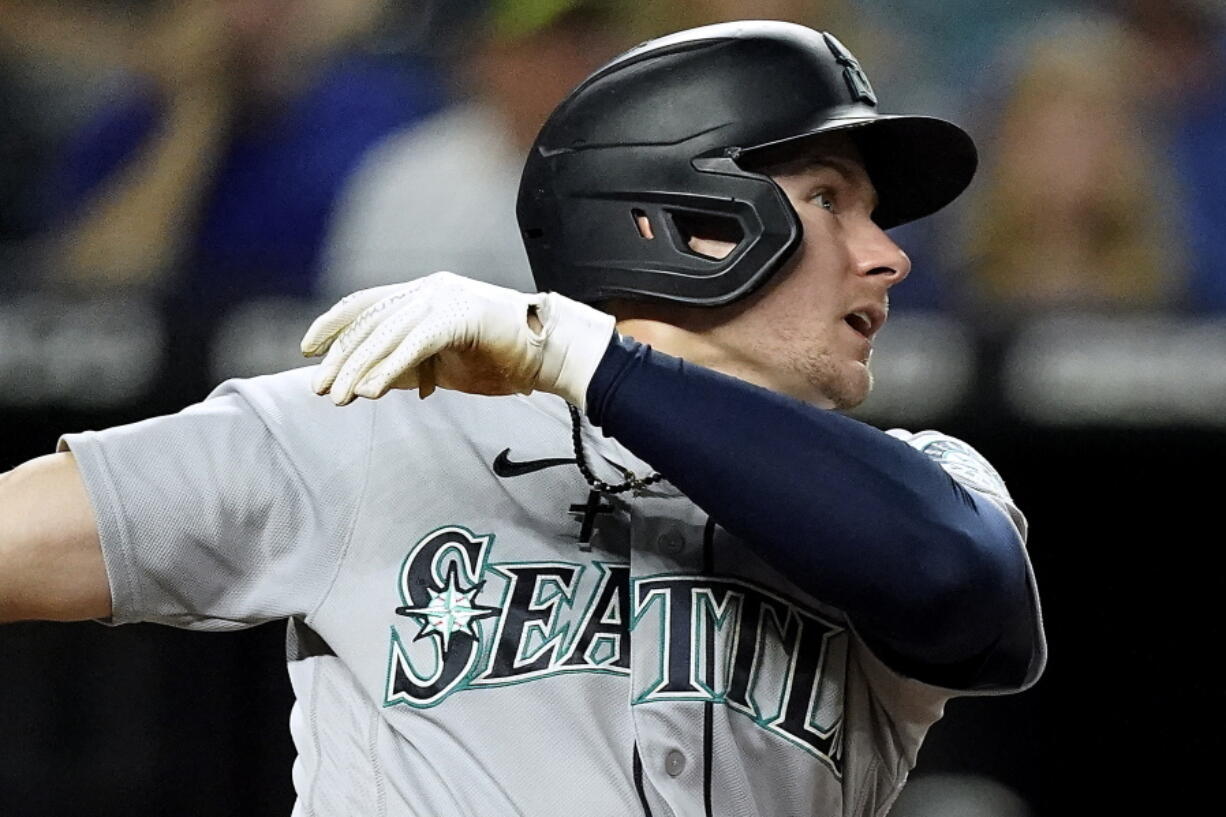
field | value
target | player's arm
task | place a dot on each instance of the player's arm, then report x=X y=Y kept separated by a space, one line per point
x=933 y=575
x=51 y=563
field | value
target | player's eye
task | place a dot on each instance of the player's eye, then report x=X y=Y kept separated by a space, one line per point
x=823 y=199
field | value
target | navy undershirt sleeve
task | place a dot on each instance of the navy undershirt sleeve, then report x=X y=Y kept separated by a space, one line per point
x=932 y=575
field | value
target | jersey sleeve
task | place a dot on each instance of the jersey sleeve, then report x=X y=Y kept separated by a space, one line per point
x=233 y=512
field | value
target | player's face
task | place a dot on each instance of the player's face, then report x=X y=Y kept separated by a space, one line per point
x=808 y=332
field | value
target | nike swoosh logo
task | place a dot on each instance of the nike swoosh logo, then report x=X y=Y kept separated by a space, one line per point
x=504 y=466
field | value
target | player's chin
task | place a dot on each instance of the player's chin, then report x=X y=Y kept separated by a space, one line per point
x=851 y=386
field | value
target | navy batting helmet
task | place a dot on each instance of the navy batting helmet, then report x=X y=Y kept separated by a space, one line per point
x=667 y=132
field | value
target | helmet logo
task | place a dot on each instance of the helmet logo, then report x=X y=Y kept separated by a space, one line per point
x=857 y=80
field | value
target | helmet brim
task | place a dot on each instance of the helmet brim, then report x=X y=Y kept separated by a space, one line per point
x=918 y=164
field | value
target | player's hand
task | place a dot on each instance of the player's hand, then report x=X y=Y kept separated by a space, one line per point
x=452 y=332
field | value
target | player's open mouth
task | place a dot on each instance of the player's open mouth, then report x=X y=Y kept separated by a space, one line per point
x=865 y=322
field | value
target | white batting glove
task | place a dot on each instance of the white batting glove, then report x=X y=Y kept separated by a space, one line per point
x=453 y=332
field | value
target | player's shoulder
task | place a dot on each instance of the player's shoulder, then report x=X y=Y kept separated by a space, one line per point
x=959 y=459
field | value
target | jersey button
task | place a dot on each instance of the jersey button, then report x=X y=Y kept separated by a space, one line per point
x=671 y=543
x=674 y=763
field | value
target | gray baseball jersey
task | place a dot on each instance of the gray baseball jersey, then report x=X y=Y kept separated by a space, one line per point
x=472 y=632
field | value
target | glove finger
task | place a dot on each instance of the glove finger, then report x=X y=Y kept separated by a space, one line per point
x=374 y=319
x=383 y=342
x=325 y=329
x=390 y=374
x=349 y=339
x=416 y=351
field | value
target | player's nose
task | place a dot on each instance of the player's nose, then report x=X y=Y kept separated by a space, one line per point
x=875 y=254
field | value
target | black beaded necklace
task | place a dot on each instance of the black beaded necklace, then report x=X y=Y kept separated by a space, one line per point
x=632 y=481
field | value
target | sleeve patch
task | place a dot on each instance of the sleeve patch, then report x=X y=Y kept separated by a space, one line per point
x=962 y=462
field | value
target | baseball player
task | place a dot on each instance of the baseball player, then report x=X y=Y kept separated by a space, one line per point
x=625 y=558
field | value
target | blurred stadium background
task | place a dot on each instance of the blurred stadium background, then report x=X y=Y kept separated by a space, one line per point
x=185 y=183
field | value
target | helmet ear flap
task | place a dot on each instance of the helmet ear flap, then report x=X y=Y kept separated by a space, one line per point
x=768 y=229
x=707 y=238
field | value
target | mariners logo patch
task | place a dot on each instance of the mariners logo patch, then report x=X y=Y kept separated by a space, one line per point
x=961 y=462
x=451 y=609
x=853 y=74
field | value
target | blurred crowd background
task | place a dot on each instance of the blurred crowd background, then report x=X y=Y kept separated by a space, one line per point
x=184 y=183
x=203 y=173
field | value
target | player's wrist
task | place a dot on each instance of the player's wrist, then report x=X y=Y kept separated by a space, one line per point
x=576 y=339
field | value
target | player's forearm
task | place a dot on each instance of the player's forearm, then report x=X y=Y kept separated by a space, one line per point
x=136 y=225
x=51 y=563
x=857 y=517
